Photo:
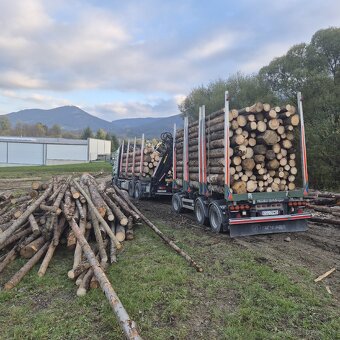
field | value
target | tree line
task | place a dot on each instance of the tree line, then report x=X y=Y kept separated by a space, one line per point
x=41 y=130
x=312 y=68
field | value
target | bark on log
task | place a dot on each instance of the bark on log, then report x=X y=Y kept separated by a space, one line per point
x=100 y=218
x=9 y=231
x=26 y=268
x=52 y=247
x=128 y=326
x=164 y=237
x=30 y=249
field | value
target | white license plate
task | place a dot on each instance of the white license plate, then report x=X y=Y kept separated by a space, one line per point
x=270 y=212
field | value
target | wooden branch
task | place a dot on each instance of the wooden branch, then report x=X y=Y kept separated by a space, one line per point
x=321 y=277
x=162 y=236
x=128 y=326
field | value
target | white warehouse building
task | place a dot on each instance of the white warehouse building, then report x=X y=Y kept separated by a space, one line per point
x=49 y=151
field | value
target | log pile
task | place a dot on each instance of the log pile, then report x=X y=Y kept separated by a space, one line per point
x=262 y=153
x=325 y=207
x=92 y=219
x=144 y=164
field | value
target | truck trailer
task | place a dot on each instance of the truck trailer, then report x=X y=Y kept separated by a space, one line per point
x=131 y=172
x=236 y=170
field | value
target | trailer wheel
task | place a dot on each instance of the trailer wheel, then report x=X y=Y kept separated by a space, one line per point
x=176 y=203
x=138 y=191
x=215 y=217
x=131 y=189
x=200 y=211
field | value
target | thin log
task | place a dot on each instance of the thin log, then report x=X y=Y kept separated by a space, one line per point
x=128 y=326
x=26 y=268
x=100 y=218
x=52 y=247
x=9 y=231
x=85 y=283
x=164 y=237
x=323 y=276
x=10 y=257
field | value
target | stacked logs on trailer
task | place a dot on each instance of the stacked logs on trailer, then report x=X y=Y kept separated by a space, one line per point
x=325 y=207
x=262 y=153
x=91 y=219
x=136 y=164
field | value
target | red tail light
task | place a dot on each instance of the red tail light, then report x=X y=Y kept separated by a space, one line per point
x=295 y=204
x=241 y=207
x=300 y=211
x=236 y=207
x=290 y=204
x=247 y=207
x=232 y=208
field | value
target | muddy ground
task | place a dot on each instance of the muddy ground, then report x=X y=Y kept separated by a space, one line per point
x=317 y=250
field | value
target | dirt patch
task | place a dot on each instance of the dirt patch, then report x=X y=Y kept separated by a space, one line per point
x=315 y=251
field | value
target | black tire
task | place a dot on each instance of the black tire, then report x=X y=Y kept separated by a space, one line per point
x=215 y=217
x=138 y=191
x=131 y=190
x=200 y=211
x=176 y=203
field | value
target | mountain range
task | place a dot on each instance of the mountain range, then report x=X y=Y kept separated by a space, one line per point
x=72 y=118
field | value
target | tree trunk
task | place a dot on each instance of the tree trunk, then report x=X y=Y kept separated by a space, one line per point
x=127 y=325
x=26 y=268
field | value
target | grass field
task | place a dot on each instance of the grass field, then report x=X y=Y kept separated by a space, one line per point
x=237 y=296
x=52 y=170
x=240 y=295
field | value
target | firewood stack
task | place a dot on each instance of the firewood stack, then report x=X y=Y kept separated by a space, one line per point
x=150 y=160
x=92 y=219
x=325 y=207
x=262 y=155
x=33 y=227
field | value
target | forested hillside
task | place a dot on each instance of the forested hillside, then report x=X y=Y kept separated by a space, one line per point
x=312 y=68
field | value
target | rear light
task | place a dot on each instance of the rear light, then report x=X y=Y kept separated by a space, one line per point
x=295 y=204
x=290 y=204
x=231 y=208
x=241 y=207
x=300 y=211
x=236 y=207
x=247 y=207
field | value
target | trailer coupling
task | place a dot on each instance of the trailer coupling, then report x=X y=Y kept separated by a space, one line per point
x=268 y=225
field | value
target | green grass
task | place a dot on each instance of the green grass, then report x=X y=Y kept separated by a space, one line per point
x=51 y=170
x=236 y=297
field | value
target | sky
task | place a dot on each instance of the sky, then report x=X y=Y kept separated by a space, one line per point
x=125 y=59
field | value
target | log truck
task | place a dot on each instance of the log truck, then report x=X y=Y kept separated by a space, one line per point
x=252 y=211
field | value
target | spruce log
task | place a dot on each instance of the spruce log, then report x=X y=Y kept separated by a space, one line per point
x=85 y=283
x=99 y=238
x=269 y=137
x=52 y=247
x=16 y=224
x=100 y=218
x=160 y=234
x=30 y=249
x=120 y=232
x=117 y=212
x=26 y=268
x=128 y=326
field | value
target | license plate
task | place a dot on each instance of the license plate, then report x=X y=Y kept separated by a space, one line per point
x=269 y=212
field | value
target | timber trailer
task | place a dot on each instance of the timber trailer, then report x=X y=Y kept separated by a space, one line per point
x=128 y=166
x=243 y=214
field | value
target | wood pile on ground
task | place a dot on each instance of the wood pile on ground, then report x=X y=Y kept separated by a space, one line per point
x=138 y=162
x=262 y=152
x=93 y=220
x=325 y=207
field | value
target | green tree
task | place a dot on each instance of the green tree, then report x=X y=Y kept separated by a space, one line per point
x=101 y=134
x=87 y=133
x=5 y=126
x=114 y=141
x=244 y=90
x=55 y=131
x=40 y=130
x=325 y=44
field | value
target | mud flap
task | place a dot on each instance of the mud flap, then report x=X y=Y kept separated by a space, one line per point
x=288 y=226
